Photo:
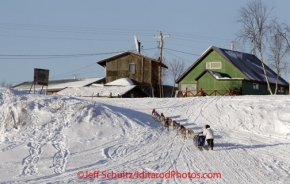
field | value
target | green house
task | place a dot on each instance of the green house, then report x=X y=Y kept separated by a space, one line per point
x=226 y=72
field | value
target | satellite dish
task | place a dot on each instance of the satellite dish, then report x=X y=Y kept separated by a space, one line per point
x=137 y=44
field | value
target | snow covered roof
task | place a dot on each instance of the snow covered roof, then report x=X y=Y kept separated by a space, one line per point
x=219 y=76
x=103 y=91
x=78 y=83
x=60 y=84
x=115 y=88
x=216 y=75
x=121 y=82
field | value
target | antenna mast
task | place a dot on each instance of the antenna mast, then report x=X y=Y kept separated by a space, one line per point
x=160 y=62
x=232 y=45
x=137 y=44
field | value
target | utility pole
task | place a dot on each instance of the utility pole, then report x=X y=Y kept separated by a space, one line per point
x=160 y=62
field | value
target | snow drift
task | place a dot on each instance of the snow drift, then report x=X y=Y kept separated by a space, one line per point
x=53 y=138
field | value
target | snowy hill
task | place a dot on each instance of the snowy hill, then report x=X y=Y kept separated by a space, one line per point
x=63 y=139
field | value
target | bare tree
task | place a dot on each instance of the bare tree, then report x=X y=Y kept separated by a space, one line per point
x=285 y=33
x=278 y=49
x=176 y=68
x=3 y=83
x=254 y=18
x=165 y=72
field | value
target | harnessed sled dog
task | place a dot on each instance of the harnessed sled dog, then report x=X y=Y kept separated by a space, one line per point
x=162 y=118
x=190 y=132
x=167 y=123
x=183 y=131
x=175 y=124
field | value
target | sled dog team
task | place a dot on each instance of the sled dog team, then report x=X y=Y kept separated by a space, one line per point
x=167 y=122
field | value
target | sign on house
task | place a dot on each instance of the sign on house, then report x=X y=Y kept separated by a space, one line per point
x=41 y=76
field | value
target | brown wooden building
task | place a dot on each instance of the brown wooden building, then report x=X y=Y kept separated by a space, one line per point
x=142 y=70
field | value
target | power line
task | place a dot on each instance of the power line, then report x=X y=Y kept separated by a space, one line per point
x=186 y=35
x=102 y=31
x=90 y=30
x=178 y=57
x=63 y=38
x=55 y=56
x=81 y=73
x=182 y=52
x=72 y=71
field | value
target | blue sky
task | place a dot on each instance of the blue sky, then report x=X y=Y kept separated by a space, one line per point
x=69 y=37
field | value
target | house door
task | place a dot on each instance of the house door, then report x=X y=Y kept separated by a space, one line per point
x=189 y=87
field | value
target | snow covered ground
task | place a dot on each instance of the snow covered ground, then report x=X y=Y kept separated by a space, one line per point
x=63 y=139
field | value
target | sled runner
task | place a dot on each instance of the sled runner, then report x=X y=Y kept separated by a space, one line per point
x=199 y=141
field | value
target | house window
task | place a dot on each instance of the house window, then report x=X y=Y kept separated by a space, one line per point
x=213 y=65
x=132 y=68
x=255 y=86
x=281 y=89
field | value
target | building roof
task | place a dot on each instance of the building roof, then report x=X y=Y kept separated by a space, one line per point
x=60 y=84
x=103 y=61
x=247 y=63
x=115 y=88
x=121 y=82
x=78 y=83
x=102 y=91
x=217 y=75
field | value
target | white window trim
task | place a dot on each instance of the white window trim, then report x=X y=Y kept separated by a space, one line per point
x=281 y=89
x=208 y=65
x=255 y=86
x=134 y=68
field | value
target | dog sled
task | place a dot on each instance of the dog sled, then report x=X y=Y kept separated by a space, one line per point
x=199 y=141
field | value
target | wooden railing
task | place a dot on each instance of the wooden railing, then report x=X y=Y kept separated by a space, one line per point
x=201 y=92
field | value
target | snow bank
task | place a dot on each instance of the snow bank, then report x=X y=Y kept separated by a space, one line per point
x=52 y=138
x=102 y=91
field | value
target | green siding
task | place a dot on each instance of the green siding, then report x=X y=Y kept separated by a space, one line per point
x=213 y=56
x=247 y=89
x=227 y=67
x=208 y=83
